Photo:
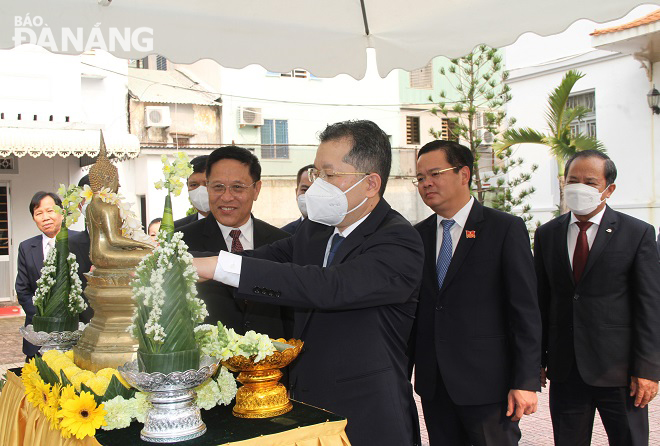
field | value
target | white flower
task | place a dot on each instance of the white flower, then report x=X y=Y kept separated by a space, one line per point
x=208 y=394
x=119 y=413
x=141 y=406
x=227 y=386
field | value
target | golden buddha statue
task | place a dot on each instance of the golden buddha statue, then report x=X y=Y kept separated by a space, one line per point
x=109 y=249
x=105 y=341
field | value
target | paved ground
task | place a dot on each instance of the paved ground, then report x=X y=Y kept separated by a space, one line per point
x=536 y=429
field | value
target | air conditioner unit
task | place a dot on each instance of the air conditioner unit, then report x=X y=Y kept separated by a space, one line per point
x=486 y=137
x=250 y=116
x=157 y=116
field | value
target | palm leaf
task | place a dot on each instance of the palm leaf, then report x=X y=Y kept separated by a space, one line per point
x=519 y=136
x=557 y=101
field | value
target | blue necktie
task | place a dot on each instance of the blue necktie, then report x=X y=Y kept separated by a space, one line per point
x=336 y=241
x=446 y=249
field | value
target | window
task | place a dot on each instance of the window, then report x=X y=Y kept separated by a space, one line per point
x=4 y=219
x=161 y=63
x=274 y=139
x=587 y=125
x=448 y=127
x=412 y=130
x=9 y=165
x=423 y=78
x=299 y=74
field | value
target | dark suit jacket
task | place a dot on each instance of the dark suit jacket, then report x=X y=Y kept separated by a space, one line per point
x=610 y=321
x=180 y=223
x=30 y=262
x=483 y=328
x=354 y=316
x=291 y=227
x=205 y=236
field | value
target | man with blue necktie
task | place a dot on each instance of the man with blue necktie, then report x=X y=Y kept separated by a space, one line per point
x=477 y=343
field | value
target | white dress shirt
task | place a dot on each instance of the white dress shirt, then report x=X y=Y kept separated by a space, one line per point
x=45 y=242
x=457 y=228
x=228 y=268
x=573 y=231
x=246 y=238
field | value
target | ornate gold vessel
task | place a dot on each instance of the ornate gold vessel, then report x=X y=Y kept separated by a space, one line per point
x=262 y=395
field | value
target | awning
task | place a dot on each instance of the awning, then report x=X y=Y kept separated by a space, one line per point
x=64 y=142
x=325 y=37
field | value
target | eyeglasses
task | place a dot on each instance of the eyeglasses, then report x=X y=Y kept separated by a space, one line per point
x=314 y=173
x=236 y=190
x=419 y=181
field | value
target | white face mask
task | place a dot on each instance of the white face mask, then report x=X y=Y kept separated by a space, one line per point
x=327 y=204
x=302 y=204
x=582 y=199
x=200 y=198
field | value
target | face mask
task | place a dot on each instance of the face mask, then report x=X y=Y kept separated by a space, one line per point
x=582 y=199
x=200 y=199
x=327 y=204
x=302 y=204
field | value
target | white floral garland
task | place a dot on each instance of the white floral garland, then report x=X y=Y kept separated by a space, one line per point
x=131 y=226
x=152 y=294
x=75 y=302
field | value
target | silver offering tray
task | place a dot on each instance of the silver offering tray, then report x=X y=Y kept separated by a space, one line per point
x=57 y=340
x=174 y=416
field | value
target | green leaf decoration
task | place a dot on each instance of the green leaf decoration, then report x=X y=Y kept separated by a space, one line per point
x=116 y=388
x=47 y=374
x=64 y=379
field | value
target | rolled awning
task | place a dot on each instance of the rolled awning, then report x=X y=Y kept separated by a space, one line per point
x=64 y=142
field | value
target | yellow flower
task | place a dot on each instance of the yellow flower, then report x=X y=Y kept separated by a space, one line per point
x=41 y=392
x=81 y=416
x=71 y=371
x=109 y=373
x=51 y=355
x=98 y=384
x=60 y=363
x=80 y=378
x=87 y=192
x=67 y=393
x=52 y=406
x=69 y=354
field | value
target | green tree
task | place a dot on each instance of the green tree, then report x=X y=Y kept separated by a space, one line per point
x=476 y=117
x=562 y=142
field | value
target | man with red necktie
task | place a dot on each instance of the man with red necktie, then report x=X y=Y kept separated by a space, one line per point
x=599 y=291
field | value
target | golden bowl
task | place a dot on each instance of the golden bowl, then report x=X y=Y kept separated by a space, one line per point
x=262 y=395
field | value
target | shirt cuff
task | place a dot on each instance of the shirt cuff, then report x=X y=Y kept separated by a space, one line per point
x=228 y=269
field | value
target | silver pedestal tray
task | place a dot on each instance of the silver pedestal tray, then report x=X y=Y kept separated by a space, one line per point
x=57 y=340
x=174 y=415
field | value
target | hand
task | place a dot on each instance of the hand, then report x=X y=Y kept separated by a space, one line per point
x=519 y=403
x=544 y=377
x=644 y=390
x=205 y=267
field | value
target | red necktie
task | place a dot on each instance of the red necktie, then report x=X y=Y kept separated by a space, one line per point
x=236 y=245
x=581 y=250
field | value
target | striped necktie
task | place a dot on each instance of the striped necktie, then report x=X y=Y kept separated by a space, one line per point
x=446 y=250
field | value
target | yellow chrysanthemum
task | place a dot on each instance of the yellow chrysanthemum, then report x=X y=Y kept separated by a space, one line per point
x=60 y=363
x=98 y=384
x=51 y=355
x=71 y=371
x=69 y=353
x=80 y=378
x=109 y=373
x=29 y=369
x=81 y=416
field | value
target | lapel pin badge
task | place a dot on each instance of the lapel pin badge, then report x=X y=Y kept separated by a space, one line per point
x=470 y=234
x=608 y=230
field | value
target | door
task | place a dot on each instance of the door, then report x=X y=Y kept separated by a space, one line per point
x=6 y=280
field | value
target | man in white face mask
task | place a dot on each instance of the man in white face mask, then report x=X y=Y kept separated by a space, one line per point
x=599 y=290
x=302 y=184
x=352 y=272
x=199 y=196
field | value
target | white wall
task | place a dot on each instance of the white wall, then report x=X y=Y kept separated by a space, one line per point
x=623 y=119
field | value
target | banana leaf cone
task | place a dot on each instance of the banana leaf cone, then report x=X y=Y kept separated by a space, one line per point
x=53 y=312
x=179 y=350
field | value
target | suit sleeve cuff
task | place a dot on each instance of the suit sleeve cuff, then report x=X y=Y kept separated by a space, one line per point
x=228 y=269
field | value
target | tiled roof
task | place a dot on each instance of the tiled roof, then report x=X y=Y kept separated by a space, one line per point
x=649 y=18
